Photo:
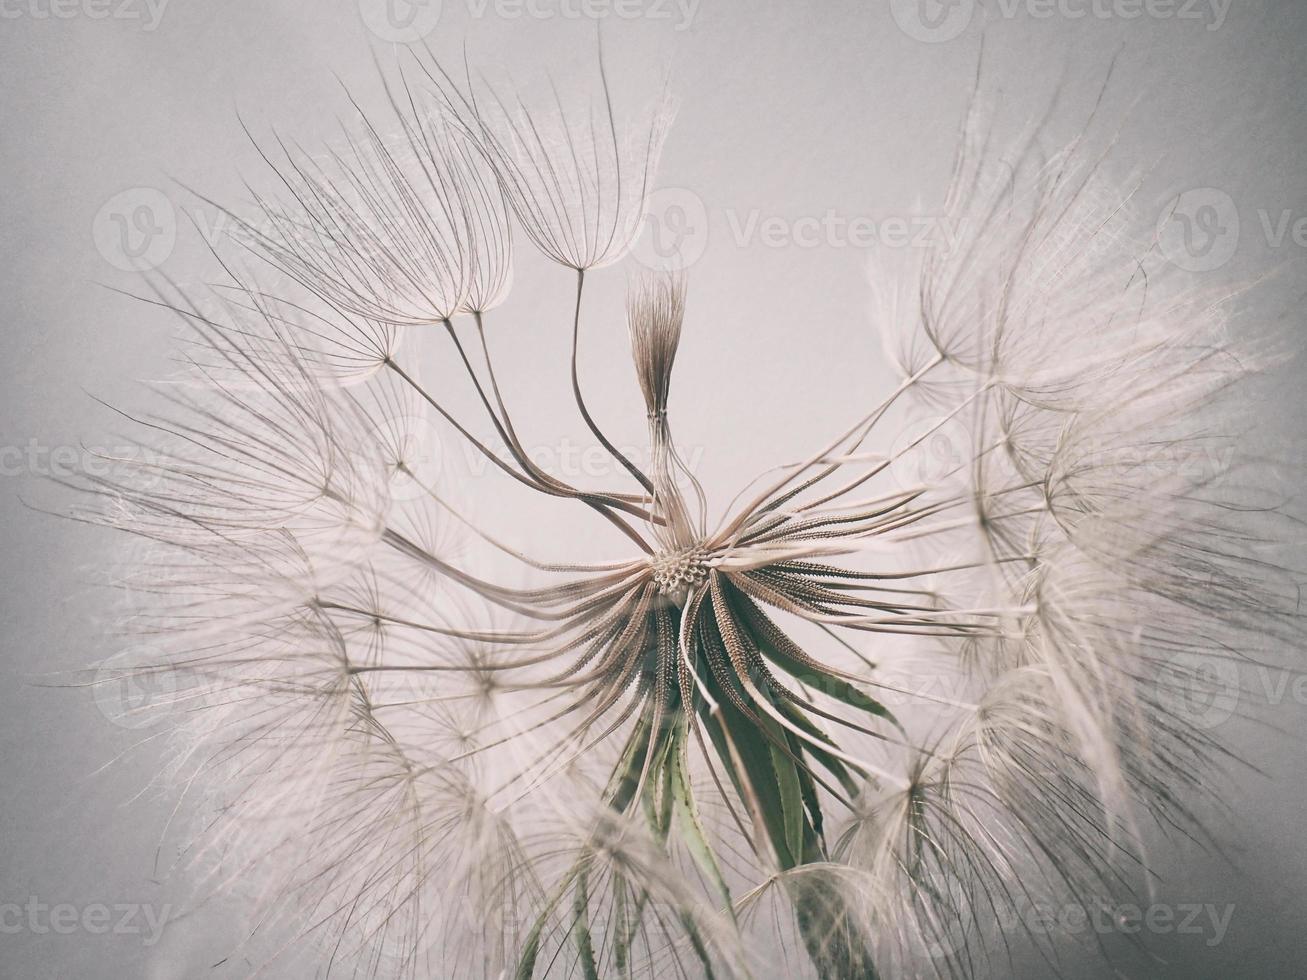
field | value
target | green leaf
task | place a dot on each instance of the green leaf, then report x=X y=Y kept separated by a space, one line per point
x=687 y=811
x=526 y=964
x=754 y=743
x=831 y=763
x=581 y=928
x=763 y=632
x=791 y=799
x=626 y=774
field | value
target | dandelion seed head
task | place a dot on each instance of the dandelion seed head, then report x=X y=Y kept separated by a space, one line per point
x=843 y=720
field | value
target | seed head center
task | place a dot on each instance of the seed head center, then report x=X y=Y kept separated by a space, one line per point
x=677 y=572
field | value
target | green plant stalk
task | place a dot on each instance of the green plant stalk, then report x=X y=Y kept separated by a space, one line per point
x=769 y=768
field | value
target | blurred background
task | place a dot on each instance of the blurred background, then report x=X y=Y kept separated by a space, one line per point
x=795 y=122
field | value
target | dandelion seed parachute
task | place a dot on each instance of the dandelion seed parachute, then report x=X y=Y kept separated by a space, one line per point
x=575 y=179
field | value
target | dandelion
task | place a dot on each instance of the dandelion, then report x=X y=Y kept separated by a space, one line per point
x=723 y=752
x=575 y=178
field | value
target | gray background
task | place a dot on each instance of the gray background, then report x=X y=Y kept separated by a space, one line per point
x=786 y=110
